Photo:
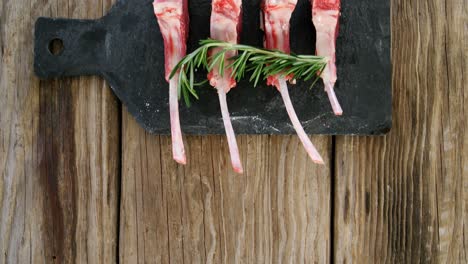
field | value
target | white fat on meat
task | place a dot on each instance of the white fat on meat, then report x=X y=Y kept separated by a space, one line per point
x=276 y=16
x=172 y=16
x=325 y=16
x=225 y=26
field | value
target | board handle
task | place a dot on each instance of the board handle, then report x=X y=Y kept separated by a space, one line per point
x=68 y=47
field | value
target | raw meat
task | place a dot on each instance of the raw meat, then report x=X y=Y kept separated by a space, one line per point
x=225 y=26
x=325 y=15
x=275 y=23
x=173 y=21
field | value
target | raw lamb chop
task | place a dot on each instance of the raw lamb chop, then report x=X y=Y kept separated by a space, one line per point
x=173 y=21
x=325 y=14
x=225 y=26
x=275 y=23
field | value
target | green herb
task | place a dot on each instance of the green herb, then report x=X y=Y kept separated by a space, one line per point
x=260 y=62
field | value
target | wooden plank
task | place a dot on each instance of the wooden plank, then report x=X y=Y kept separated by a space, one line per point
x=402 y=198
x=278 y=210
x=143 y=226
x=59 y=150
x=162 y=208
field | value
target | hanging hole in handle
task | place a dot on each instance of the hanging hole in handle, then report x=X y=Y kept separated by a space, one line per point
x=56 y=46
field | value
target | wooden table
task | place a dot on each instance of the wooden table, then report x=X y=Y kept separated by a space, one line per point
x=82 y=182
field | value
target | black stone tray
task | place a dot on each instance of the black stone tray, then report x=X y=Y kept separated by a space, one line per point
x=126 y=48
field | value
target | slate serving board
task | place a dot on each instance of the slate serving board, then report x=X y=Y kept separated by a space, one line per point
x=126 y=48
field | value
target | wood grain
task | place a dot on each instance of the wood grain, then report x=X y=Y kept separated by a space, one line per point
x=278 y=211
x=59 y=150
x=403 y=198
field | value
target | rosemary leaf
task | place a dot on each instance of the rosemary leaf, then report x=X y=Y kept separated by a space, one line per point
x=260 y=62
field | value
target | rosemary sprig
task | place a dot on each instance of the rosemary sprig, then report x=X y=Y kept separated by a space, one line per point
x=260 y=62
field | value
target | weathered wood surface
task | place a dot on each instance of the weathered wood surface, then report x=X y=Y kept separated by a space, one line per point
x=66 y=166
x=279 y=210
x=403 y=198
x=59 y=154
